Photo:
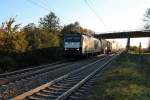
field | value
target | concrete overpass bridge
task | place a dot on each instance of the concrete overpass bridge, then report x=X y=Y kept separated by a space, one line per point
x=125 y=34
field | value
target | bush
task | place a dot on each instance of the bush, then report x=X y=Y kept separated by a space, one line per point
x=7 y=64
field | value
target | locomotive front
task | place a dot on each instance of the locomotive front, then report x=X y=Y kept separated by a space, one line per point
x=72 y=44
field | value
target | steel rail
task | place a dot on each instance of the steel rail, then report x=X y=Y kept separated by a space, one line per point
x=65 y=95
x=28 y=69
x=33 y=91
x=28 y=74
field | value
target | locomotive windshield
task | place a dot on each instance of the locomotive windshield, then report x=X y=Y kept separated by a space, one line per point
x=72 y=39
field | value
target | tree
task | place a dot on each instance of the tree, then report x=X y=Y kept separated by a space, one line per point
x=32 y=36
x=50 y=27
x=134 y=48
x=75 y=27
x=11 y=39
x=39 y=38
x=50 y=23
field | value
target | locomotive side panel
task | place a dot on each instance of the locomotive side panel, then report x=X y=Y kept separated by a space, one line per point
x=104 y=45
x=109 y=47
x=90 y=45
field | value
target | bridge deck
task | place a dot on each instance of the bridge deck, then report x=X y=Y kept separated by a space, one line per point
x=129 y=34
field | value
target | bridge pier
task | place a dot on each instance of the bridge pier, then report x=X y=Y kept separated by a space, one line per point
x=128 y=44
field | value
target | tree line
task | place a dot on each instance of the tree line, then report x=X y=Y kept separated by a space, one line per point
x=33 y=43
x=48 y=33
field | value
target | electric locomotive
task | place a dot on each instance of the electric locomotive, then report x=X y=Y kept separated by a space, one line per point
x=82 y=44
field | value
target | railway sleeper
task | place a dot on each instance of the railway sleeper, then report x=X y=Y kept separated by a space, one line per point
x=39 y=97
x=81 y=90
x=57 y=86
x=46 y=95
x=58 y=89
x=52 y=92
x=79 y=94
x=61 y=85
x=46 y=91
x=70 y=82
x=73 y=79
x=86 y=85
x=89 y=83
x=43 y=96
x=77 y=75
x=65 y=84
x=32 y=98
x=72 y=97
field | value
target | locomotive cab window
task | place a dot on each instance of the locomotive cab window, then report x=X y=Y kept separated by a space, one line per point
x=72 y=39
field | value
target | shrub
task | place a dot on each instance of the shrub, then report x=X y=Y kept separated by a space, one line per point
x=7 y=64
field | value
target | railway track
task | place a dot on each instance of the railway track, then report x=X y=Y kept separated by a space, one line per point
x=6 y=78
x=21 y=81
x=68 y=86
x=23 y=71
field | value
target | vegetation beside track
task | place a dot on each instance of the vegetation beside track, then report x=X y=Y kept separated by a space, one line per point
x=33 y=44
x=128 y=79
x=15 y=61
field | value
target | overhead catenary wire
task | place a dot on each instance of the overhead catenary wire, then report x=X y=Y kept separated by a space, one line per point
x=44 y=3
x=96 y=14
x=45 y=8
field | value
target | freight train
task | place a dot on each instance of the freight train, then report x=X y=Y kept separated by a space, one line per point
x=80 y=44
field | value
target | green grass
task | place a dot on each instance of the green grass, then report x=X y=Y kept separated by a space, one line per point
x=124 y=81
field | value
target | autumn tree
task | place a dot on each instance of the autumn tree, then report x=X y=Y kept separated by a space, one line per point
x=11 y=39
x=32 y=36
x=39 y=38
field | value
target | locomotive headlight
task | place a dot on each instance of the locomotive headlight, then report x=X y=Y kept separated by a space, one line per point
x=77 y=48
x=66 y=49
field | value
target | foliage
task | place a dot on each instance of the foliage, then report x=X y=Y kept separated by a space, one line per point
x=11 y=39
x=75 y=27
x=21 y=45
x=33 y=44
x=40 y=38
x=50 y=23
x=134 y=49
x=7 y=64
x=32 y=36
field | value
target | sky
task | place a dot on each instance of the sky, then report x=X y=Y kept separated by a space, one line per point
x=105 y=15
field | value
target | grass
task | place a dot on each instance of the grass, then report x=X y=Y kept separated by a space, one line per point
x=124 y=81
